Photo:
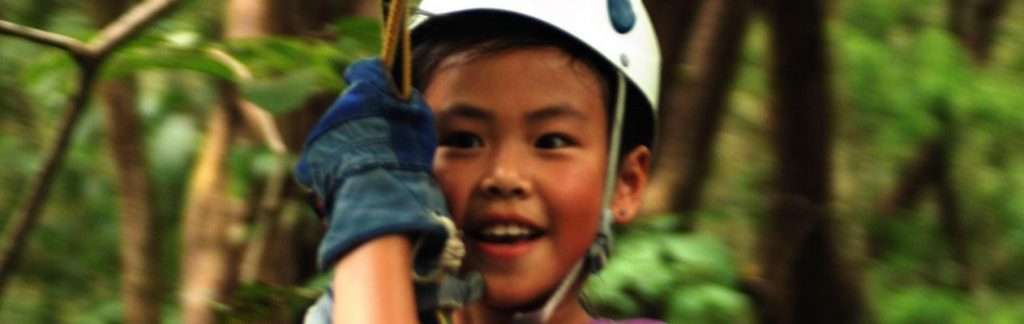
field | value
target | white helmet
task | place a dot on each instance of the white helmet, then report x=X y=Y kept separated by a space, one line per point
x=617 y=30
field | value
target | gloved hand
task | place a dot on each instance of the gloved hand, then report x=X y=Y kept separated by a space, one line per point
x=370 y=160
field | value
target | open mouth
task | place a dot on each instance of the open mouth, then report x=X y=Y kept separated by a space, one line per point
x=506 y=233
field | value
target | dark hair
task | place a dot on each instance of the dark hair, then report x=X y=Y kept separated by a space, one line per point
x=484 y=33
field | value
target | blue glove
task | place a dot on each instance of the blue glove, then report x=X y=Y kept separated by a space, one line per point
x=370 y=159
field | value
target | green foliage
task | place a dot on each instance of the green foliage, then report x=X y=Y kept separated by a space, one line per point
x=135 y=60
x=709 y=303
x=257 y=301
x=896 y=67
x=70 y=272
x=172 y=144
x=287 y=71
x=282 y=94
x=939 y=65
x=899 y=70
x=49 y=79
x=657 y=273
x=924 y=305
x=359 y=36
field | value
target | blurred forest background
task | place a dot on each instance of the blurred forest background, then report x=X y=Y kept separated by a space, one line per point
x=820 y=162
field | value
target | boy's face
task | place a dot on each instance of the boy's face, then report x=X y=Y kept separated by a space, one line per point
x=521 y=161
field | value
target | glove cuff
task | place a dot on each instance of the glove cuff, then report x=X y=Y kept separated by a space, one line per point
x=379 y=202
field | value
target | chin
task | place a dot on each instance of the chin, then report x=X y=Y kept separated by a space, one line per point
x=513 y=295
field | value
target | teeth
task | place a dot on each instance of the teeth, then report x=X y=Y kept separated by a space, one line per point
x=506 y=230
x=516 y=230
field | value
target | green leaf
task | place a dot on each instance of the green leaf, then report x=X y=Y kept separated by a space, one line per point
x=267 y=56
x=283 y=94
x=166 y=58
x=700 y=259
x=709 y=304
x=359 y=37
x=279 y=58
x=941 y=65
x=656 y=278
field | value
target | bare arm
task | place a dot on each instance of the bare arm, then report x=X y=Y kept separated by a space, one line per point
x=373 y=283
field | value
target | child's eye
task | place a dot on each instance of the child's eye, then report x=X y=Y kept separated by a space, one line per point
x=462 y=140
x=553 y=141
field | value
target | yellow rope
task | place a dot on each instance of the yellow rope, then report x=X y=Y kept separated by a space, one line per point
x=442 y=318
x=396 y=34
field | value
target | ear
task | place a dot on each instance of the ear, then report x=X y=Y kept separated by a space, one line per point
x=630 y=186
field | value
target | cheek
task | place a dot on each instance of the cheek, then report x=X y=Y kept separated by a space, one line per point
x=455 y=185
x=576 y=204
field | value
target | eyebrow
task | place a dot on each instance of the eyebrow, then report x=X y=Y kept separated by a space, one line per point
x=465 y=111
x=480 y=114
x=556 y=112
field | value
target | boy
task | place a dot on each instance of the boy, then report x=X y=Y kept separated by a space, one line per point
x=529 y=104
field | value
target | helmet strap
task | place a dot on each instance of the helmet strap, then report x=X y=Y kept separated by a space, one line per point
x=600 y=249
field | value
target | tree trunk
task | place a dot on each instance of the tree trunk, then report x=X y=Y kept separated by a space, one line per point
x=362 y=8
x=932 y=168
x=914 y=179
x=140 y=239
x=89 y=57
x=209 y=252
x=280 y=251
x=673 y=22
x=215 y=260
x=807 y=278
x=985 y=27
x=696 y=104
x=949 y=205
x=291 y=246
x=957 y=19
x=974 y=22
x=24 y=219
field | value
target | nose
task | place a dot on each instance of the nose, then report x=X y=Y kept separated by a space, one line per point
x=506 y=182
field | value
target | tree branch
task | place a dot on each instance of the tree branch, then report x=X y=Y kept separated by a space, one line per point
x=24 y=219
x=74 y=46
x=129 y=24
x=111 y=37
x=89 y=58
x=256 y=119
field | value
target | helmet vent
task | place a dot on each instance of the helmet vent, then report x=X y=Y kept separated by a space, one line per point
x=622 y=16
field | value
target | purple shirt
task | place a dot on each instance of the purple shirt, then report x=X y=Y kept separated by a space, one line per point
x=626 y=321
